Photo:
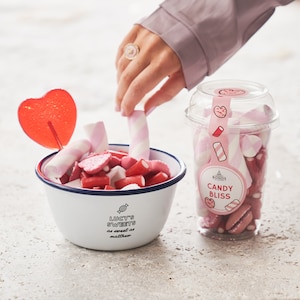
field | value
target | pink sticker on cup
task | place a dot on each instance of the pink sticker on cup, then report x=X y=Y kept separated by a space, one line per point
x=230 y=92
x=222 y=187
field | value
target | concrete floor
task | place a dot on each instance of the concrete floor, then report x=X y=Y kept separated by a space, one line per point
x=71 y=44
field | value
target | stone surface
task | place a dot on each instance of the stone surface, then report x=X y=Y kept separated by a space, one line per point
x=72 y=45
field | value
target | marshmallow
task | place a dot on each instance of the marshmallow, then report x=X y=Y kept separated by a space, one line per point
x=139 y=135
x=97 y=135
x=250 y=144
x=65 y=158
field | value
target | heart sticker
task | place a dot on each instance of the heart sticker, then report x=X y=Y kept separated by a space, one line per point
x=220 y=111
x=209 y=202
x=50 y=120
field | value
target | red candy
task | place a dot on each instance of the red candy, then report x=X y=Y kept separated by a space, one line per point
x=141 y=167
x=94 y=181
x=138 y=179
x=76 y=171
x=114 y=161
x=118 y=154
x=107 y=171
x=127 y=161
x=158 y=165
x=157 y=178
x=64 y=179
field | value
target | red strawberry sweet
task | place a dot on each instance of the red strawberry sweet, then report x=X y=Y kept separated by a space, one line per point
x=157 y=178
x=94 y=181
x=158 y=165
x=141 y=167
x=138 y=179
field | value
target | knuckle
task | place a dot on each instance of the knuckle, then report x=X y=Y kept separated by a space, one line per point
x=136 y=88
x=126 y=77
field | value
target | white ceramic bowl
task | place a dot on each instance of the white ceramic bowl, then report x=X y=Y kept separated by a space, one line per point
x=113 y=220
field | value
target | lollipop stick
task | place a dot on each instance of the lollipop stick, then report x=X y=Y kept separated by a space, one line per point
x=54 y=133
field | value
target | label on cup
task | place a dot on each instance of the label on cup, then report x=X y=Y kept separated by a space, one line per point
x=222 y=187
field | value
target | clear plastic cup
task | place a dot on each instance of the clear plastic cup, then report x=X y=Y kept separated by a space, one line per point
x=232 y=121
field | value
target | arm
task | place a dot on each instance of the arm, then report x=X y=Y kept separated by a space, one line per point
x=204 y=34
x=182 y=42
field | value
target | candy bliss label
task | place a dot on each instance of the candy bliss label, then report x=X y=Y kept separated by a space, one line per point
x=222 y=189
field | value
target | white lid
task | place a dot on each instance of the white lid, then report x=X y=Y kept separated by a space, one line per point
x=252 y=107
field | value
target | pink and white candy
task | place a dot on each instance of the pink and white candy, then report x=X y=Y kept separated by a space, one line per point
x=250 y=144
x=236 y=158
x=139 y=135
x=96 y=133
x=65 y=158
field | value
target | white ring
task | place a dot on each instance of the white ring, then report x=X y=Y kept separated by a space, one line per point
x=131 y=51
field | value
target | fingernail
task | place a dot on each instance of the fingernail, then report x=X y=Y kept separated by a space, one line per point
x=123 y=113
x=117 y=108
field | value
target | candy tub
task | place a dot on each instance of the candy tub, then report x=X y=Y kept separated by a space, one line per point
x=113 y=220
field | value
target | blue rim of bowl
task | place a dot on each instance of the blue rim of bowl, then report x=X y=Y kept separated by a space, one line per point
x=92 y=192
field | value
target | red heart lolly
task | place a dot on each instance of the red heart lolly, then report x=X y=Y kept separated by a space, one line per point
x=50 y=120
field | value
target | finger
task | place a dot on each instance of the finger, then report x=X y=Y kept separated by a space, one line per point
x=168 y=91
x=137 y=87
x=144 y=82
x=121 y=66
x=127 y=76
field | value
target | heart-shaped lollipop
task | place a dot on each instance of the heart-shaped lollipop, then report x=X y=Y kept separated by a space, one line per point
x=50 y=120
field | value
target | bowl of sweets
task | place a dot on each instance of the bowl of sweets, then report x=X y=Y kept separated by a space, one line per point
x=102 y=196
x=110 y=199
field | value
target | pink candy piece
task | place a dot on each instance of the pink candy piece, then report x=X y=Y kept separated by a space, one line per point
x=95 y=163
x=256 y=205
x=114 y=161
x=127 y=161
x=257 y=174
x=202 y=149
x=139 y=135
x=138 y=179
x=250 y=145
x=239 y=220
x=258 y=115
x=141 y=167
x=94 y=182
x=75 y=173
x=97 y=135
x=66 y=157
x=157 y=178
x=236 y=158
x=261 y=158
x=159 y=166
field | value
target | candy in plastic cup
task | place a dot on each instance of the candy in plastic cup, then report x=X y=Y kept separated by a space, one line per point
x=232 y=121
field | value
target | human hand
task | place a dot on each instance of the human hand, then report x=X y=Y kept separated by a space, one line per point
x=155 y=62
